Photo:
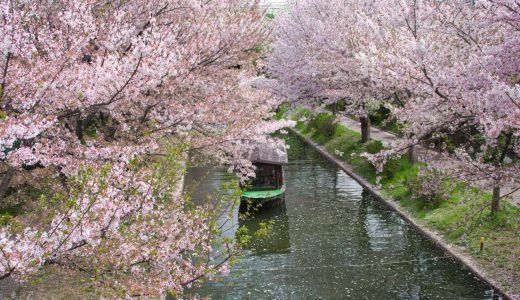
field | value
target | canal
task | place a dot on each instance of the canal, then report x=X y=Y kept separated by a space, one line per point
x=333 y=240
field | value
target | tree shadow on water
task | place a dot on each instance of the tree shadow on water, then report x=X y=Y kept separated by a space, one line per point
x=272 y=215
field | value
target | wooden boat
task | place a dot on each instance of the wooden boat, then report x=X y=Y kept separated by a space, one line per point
x=268 y=185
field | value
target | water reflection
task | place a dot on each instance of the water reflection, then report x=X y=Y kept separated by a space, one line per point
x=333 y=240
x=278 y=240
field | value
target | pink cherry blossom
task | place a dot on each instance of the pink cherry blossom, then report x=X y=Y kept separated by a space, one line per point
x=86 y=89
x=445 y=68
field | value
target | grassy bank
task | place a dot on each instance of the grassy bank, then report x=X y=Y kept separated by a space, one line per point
x=458 y=212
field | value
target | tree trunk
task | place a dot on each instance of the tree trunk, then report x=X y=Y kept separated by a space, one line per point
x=412 y=154
x=495 y=202
x=6 y=181
x=365 y=129
x=79 y=129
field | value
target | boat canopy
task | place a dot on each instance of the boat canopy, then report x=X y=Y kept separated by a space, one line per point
x=274 y=154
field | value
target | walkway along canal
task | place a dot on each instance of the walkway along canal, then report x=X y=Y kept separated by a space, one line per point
x=333 y=240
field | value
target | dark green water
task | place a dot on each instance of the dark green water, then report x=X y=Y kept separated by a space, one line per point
x=333 y=240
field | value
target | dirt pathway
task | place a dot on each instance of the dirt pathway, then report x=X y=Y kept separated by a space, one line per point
x=433 y=157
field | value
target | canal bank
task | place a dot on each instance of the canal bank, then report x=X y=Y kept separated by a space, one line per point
x=453 y=250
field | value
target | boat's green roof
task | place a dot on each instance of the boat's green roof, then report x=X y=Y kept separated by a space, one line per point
x=262 y=194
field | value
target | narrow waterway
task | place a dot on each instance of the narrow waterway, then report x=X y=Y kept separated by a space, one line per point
x=333 y=240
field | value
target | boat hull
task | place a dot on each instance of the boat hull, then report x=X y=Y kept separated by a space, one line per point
x=262 y=198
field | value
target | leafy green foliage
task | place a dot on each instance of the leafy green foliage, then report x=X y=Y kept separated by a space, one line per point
x=281 y=111
x=338 y=106
x=301 y=116
x=8 y=212
x=324 y=125
x=383 y=119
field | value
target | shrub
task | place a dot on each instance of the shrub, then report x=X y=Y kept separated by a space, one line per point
x=374 y=147
x=394 y=166
x=383 y=118
x=301 y=114
x=427 y=187
x=338 y=106
x=324 y=124
x=379 y=116
x=281 y=111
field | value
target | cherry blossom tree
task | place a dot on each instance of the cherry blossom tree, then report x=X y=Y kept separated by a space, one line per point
x=92 y=95
x=318 y=55
x=455 y=58
x=456 y=63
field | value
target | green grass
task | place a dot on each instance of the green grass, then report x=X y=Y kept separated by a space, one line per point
x=8 y=212
x=462 y=217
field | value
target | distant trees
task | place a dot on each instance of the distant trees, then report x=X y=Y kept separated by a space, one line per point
x=319 y=55
x=456 y=61
x=91 y=93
